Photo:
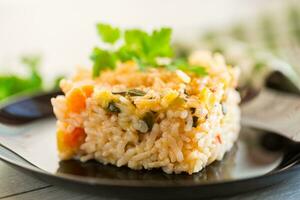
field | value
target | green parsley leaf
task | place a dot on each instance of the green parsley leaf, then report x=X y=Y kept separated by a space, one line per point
x=146 y=47
x=108 y=33
x=103 y=59
x=135 y=45
x=142 y=47
x=198 y=70
x=183 y=65
x=160 y=43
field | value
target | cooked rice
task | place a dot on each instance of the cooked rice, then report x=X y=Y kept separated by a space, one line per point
x=195 y=120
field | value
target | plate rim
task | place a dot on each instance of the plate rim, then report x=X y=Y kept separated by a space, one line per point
x=138 y=183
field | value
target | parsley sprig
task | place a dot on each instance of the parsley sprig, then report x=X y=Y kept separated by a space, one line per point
x=142 y=47
x=182 y=64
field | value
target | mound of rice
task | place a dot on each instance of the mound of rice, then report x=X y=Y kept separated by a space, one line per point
x=156 y=118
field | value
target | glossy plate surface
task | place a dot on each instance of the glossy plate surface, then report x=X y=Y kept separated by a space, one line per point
x=258 y=160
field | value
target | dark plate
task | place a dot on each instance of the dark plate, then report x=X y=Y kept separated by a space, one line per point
x=258 y=160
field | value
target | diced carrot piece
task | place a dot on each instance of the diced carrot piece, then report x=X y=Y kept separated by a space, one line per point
x=218 y=137
x=69 y=143
x=76 y=100
x=88 y=90
x=77 y=96
x=60 y=141
x=76 y=138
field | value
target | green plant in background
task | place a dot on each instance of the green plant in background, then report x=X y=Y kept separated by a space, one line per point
x=57 y=81
x=12 y=84
x=268 y=33
x=294 y=22
x=238 y=31
x=267 y=44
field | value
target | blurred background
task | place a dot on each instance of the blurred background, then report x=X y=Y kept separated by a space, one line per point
x=53 y=37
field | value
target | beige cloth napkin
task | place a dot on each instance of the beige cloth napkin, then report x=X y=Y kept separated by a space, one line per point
x=274 y=111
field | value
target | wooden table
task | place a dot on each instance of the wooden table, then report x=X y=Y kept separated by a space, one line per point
x=15 y=185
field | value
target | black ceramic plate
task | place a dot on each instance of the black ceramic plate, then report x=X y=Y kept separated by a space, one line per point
x=258 y=160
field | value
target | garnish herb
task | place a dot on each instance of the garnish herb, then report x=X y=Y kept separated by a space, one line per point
x=102 y=59
x=183 y=65
x=108 y=33
x=137 y=45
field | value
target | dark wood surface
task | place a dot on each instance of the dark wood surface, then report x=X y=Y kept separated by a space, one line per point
x=16 y=185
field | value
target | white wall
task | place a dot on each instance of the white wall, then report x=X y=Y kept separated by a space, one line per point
x=64 y=32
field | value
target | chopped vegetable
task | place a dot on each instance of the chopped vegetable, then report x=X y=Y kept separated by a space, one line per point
x=131 y=92
x=195 y=121
x=120 y=93
x=193 y=110
x=76 y=100
x=69 y=143
x=218 y=137
x=112 y=107
x=149 y=119
x=87 y=90
x=224 y=109
x=135 y=92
